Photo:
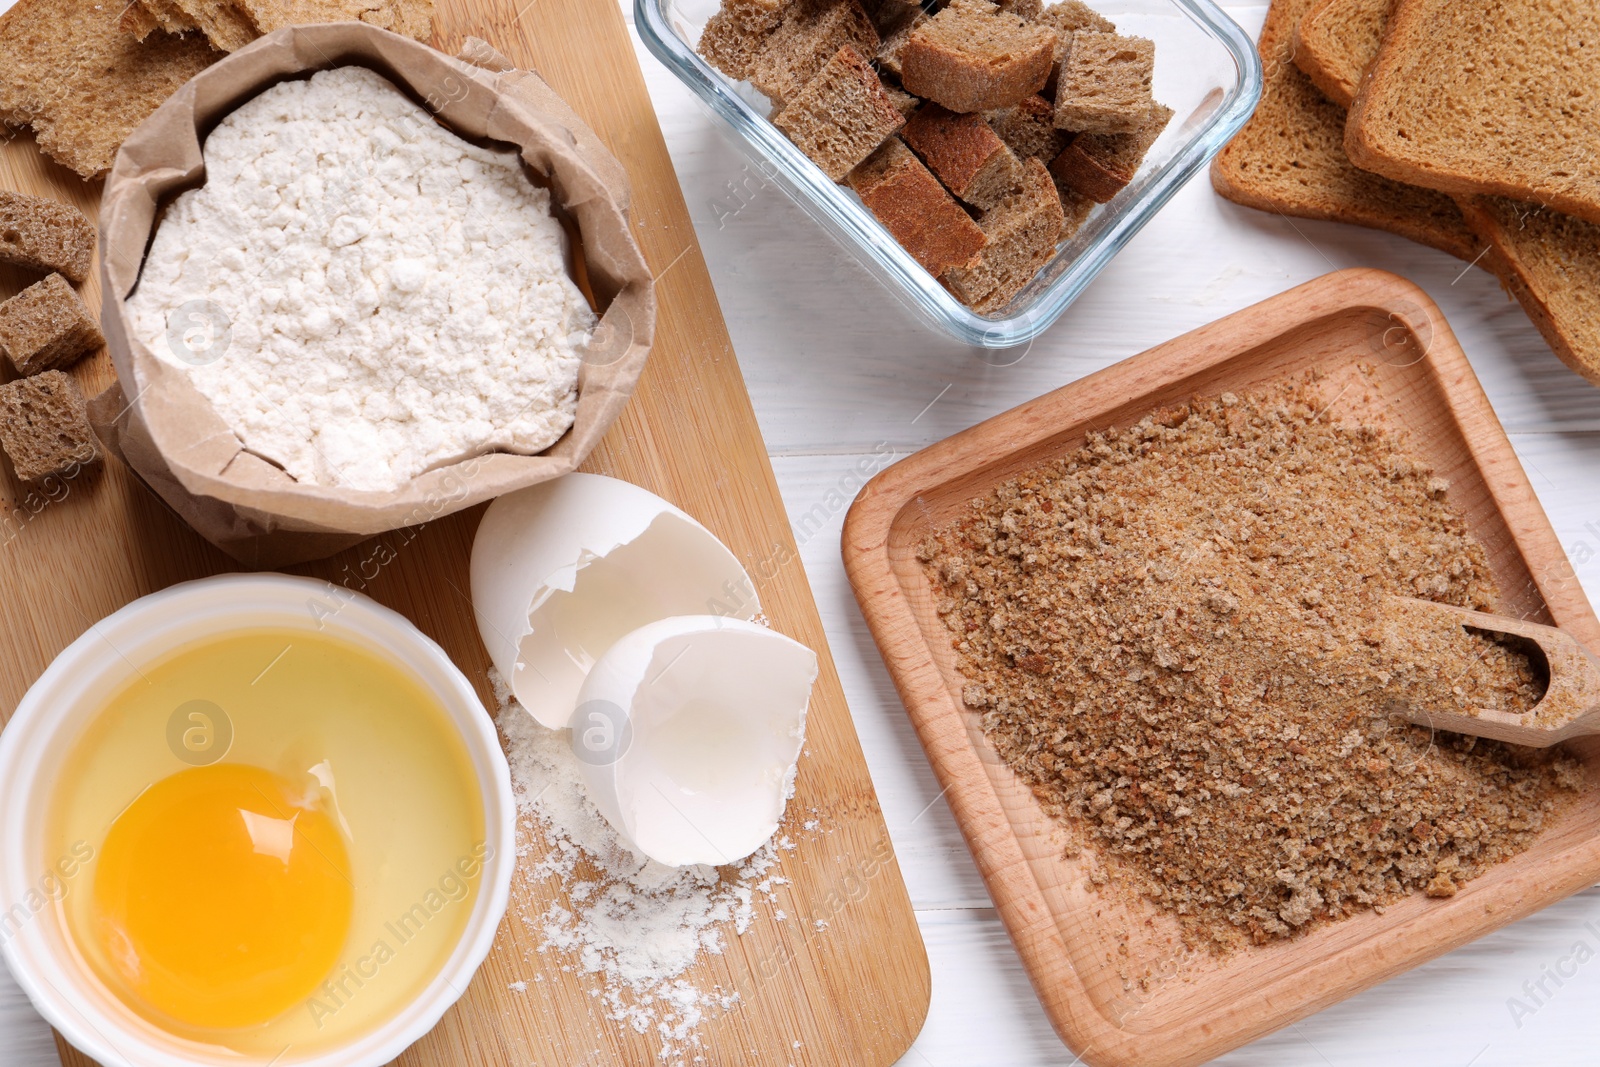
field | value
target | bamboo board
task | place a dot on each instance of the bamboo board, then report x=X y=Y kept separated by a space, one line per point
x=853 y=990
x=1113 y=975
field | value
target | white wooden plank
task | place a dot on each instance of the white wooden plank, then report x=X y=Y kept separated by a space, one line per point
x=25 y=1040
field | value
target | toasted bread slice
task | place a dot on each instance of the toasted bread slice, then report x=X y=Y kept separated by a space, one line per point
x=1289 y=158
x=1549 y=261
x=1337 y=41
x=144 y=17
x=226 y=26
x=409 y=18
x=1493 y=98
x=1552 y=266
x=68 y=70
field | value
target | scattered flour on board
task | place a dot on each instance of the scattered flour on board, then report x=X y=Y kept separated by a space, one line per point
x=635 y=924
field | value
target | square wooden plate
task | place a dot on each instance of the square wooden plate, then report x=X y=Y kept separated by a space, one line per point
x=1114 y=976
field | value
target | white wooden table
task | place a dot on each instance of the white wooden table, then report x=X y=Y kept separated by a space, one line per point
x=842 y=379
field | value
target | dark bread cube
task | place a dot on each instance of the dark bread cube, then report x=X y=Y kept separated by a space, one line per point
x=45 y=235
x=735 y=35
x=916 y=209
x=47 y=326
x=1104 y=83
x=44 y=427
x=1029 y=129
x=1023 y=231
x=903 y=101
x=1067 y=18
x=840 y=115
x=811 y=33
x=1100 y=165
x=894 y=41
x=968 y=156
x=974 y=57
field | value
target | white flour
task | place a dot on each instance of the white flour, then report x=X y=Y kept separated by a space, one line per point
x=361 y=294
x=635 y=925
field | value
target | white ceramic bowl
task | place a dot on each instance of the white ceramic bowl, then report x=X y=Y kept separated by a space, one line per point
x=73 y=690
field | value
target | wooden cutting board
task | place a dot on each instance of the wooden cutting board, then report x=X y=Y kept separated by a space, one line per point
x=844 y=978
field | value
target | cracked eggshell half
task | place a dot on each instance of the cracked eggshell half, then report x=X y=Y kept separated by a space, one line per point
x=560 y=571
x=689 y=732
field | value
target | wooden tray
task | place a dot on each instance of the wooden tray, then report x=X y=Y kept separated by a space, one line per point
x=854 y=992
x=1198 y=1006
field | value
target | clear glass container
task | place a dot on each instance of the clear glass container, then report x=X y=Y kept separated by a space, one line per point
x=1207 y=71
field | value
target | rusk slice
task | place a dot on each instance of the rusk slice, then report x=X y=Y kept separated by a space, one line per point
x=1289 y=158
x=1552 y=266
x=1495 y=98
x=68 y=70
x=1549 y=261
x=227 y=27
x=409 y=18
x=1336 y=42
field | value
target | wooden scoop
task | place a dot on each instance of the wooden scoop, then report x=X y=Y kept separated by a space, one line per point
x=1569 y=708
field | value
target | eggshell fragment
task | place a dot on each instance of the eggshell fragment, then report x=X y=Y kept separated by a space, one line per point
x=689 y=731
x=560 y=571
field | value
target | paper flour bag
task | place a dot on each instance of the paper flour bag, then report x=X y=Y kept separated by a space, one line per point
x=276 y=507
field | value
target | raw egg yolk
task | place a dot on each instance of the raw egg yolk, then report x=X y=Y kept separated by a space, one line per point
x=223 y=896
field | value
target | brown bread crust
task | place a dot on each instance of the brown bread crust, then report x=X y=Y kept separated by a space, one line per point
x=965 y=153
x=916 y=210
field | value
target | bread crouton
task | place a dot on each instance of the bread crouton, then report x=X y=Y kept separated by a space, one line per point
x=974 y=57
x=916 y=210
x=840 y=115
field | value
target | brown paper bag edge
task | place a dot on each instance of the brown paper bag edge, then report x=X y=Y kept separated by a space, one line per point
x=169 y=433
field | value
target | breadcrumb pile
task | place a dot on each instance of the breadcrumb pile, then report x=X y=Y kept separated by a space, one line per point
x=1176 y=636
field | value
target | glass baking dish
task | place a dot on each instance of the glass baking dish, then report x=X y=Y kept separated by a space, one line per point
x=1207 y=71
